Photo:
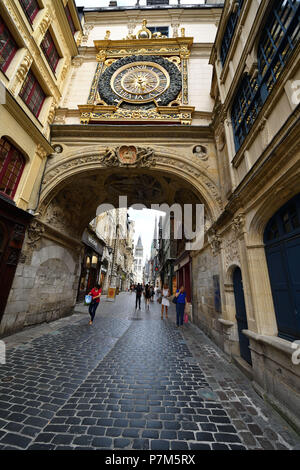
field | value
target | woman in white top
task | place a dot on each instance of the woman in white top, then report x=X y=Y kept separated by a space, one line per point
x=165 y=303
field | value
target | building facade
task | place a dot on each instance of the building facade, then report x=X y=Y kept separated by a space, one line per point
x=38 y=40
x=186 y=104
x=116 y=232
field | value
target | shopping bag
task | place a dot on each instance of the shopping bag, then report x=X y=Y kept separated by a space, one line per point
x=88 y=299
x=186 y=318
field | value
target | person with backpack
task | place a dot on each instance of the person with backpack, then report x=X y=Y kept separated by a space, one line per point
x=147 y=295
x=96 y=294
x=138 y=290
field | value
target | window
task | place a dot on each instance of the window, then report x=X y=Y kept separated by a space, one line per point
x=49 y=49
x=229 y=30
x=280 y=36
x=245 y=109
x=164 y=30
x=12 y=164
x=70 y=19
x=32 y=94
x=8 y=47
x=31 y=9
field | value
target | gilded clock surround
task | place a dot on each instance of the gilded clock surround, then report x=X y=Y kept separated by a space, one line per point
x=169 y=55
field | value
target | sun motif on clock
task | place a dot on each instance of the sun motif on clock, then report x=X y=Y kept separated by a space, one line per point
x=140 y=82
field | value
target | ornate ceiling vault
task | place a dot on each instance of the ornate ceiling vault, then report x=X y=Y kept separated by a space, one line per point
x=140 y=79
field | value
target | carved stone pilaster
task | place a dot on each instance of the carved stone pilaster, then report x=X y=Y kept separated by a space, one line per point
x=51 y=113
x=238 y=224
x=21 y=72
x=41 y=152
x=45 y=23
x=77 y=61
x=86 y=32
x=215 y=241
x=34 y=233
x=175 y=27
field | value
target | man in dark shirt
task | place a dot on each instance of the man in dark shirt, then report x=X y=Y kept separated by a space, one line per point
x=139 y=290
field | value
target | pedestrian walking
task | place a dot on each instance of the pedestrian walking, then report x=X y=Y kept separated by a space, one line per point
x=147 y=295
x=138 y=291
x=180 y=305
x=165 y=303
x=96 y=294
x=152 y=293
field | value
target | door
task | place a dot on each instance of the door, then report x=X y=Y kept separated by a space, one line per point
x=282 y=245
x=241 y=315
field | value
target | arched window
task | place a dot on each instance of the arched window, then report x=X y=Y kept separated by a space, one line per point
x=280 y=36
x=229 y=30
x=12 y=164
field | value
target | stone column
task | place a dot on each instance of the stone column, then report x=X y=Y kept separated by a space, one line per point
x=261 y=291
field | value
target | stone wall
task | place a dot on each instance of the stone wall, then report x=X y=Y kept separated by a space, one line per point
x=44 y=288
x=204 y=267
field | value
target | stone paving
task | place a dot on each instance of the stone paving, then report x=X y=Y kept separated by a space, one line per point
x=130 y=381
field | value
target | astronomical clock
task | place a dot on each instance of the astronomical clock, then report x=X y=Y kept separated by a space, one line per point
x=141 y=78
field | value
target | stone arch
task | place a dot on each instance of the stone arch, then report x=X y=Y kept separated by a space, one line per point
x=229 y=273
x=269 y=206
x=87 y=169
x=98 y=160
x=53 y=252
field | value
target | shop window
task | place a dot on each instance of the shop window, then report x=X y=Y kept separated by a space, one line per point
x=94 y=261
x=31 y=8
x=32 y=94
x=12 y=164
x=229 y=31
x=70 y=19
x=8 y=47
x=88 y=262
x=49 y=49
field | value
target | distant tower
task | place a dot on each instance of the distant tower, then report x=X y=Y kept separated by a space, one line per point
x=138 y=261
x=154 y=241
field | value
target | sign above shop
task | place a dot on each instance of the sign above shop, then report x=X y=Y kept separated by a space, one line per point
x=92 y=242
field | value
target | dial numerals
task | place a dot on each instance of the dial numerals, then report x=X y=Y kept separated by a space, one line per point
x=141 y=82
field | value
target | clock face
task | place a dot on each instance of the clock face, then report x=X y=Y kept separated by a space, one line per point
x=140 y=82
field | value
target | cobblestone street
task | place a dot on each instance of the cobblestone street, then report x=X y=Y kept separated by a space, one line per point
x=130 y=381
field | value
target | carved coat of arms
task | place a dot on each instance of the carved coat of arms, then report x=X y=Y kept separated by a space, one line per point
x=128 y=156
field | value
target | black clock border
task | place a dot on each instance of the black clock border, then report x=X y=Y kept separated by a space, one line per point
x=110 y=97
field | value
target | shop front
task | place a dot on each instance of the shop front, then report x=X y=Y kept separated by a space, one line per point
x=182 y=268
x=91 y=264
